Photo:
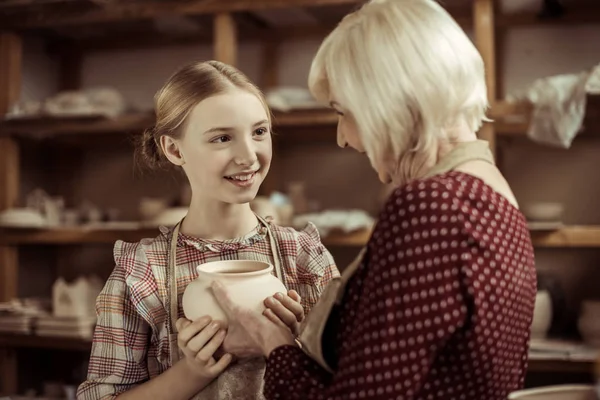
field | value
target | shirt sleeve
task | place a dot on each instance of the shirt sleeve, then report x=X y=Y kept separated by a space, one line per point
x=315 y=266
x=118 y=358
x=401 y=309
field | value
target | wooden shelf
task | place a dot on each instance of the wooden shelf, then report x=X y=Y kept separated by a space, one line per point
x=65 y=236
x=568 y=236
x=71 y=344
x=44 y=342
x=509 y=120
x=562 y=366
x=73 y=235
x=136 y=123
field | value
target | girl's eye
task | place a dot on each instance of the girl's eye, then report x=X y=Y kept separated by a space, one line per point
x=261 y=131
x=221 y=139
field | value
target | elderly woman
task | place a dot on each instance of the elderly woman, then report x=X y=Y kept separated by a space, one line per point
x=440 y=302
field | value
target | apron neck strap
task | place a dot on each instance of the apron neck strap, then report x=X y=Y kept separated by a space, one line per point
x=463 y=152
x=172 y=278
x=274 y=248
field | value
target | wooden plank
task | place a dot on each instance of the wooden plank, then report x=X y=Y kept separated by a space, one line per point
x=125 y=11
x=483 y=11
x=49 y=126
x=44 y=342
x=225 y=39
x=9 y=173
x=10 y=70
x=137 y=41
x=570 y=236
x=75 y=235
x=562 y=366
x=8 y=366
x=270 y=64
x=270 y=79
x=585 y=15
x=10 y=87
x=70 y=68
x=69 y=236
x=136 y=123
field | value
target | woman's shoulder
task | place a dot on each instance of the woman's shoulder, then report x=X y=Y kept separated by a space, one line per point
x=452 y=188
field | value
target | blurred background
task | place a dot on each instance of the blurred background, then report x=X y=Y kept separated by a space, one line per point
x=77 y=80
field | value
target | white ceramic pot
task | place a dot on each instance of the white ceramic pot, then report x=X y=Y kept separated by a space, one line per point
x=542 y=315
x=250 y=283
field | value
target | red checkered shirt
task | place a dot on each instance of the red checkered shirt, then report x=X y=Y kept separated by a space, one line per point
x=131 y=344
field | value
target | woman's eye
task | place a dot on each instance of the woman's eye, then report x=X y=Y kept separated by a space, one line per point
x=221 y=139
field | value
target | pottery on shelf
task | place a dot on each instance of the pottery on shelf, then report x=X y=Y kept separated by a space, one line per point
x=249 y=283
x=542 y=315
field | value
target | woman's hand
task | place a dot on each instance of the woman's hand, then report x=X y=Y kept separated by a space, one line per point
x=258 y=331
x=199 y=340
x=286 y=309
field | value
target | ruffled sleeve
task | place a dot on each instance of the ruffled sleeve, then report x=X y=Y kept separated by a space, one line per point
x=118 y=360
x=315 y=265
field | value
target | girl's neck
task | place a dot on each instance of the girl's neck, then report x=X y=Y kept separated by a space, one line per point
x=214 y=220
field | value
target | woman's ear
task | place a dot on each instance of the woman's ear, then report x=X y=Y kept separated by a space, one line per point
x=170 y=146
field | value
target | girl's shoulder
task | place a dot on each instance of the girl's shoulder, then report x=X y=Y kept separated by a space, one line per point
x=305 y=239
x=131 y=256
x=304 y=246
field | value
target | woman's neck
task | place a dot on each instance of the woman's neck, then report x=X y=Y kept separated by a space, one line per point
x=421 y=163
x=214 y=220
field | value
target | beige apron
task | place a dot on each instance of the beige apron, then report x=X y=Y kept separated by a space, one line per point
x=240 y=377
x=313 y=326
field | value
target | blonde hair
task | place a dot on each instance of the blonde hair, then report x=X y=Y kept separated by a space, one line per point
x=187 y=87
x=406 y=72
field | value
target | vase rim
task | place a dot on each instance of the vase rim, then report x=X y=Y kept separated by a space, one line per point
x=267 y=268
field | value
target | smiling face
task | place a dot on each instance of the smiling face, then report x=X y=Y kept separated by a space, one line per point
x=225 y=149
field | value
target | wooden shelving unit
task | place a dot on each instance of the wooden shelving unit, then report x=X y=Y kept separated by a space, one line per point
x=87 y=26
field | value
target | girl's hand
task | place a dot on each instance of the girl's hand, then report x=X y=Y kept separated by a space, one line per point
x=258 y=331
x=286 y=309
x=199 y=340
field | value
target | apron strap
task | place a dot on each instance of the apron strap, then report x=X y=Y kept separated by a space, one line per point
x=463 y=152
x=172 y=279
x=274 y=249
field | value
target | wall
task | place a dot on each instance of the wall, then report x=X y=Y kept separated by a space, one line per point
x=338 y=178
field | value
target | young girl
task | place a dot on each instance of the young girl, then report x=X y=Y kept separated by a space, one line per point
x=215 y=124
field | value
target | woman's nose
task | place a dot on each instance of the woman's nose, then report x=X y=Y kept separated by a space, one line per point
x=341 y=140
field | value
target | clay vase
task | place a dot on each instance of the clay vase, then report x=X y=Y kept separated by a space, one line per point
x=249 y=283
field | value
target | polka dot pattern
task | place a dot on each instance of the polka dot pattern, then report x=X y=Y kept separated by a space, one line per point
x=440 y=308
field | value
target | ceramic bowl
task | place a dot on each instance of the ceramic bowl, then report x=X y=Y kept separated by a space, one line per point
x=543 y=211
x=22 y=218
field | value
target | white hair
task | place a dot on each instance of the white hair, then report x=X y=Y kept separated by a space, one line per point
x=407 y=73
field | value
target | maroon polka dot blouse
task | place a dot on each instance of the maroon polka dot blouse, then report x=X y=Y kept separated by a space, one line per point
x=440 y=308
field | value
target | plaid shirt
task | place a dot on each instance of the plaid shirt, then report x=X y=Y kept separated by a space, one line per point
x=131 y=342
